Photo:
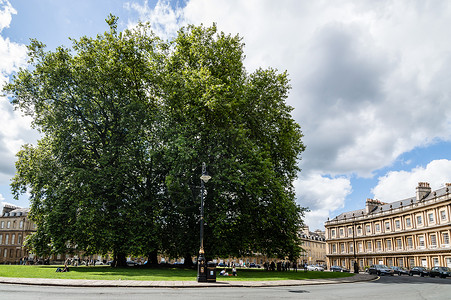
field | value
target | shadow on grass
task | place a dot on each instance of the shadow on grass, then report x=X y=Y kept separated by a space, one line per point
x=157 y=273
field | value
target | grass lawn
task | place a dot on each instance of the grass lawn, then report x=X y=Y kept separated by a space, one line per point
x=153 y=274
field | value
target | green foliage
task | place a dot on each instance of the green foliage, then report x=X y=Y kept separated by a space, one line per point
x=128 y=119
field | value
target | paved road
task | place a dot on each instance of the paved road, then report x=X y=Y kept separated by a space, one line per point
x=397 y=288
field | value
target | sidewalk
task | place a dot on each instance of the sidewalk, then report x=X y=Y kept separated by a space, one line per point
x=180 y=284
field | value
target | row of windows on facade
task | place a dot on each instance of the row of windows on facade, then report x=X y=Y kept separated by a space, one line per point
x=376 y=228
x=313 y=244
x=8 y=224
x=6 y=239
x=11 y=253
x=397 y=261
x=403 y=243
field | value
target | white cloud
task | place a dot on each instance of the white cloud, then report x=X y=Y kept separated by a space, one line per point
x=398 y=185
x=321 y=195
x=370 y=79
x=15 y=129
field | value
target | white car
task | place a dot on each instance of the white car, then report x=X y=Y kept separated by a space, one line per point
x=314 y=268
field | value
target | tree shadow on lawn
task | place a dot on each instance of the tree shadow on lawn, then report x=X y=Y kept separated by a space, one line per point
x=121 y=272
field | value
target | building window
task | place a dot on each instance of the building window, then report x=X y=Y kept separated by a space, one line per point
x=398 y=244
x=368 y=228
x=419 y=220
x=409 y=243
x=421 y=241
x=359 y=230
x=390 y=262
x=21 y=224
x=378 y=227
x=445 y=238
x=1 y=239
x=8 y=225
x=433 y=241
x=368 y=246
x=342 y=248
x=332 y=232
x=341 y=232
x=379 y=245
x=3 y=224
x=351 y=248
x=350 y=231
x=6 y=239
x=334 y=248
x=389 y=245
x=5 y=253
x=13 y=239
x=360 y=247
x=401 y=262
x=411 y=262
x=387 y=226
x=443 y=215
x=408 y=222
x=19 y=239
x=431 y=217
x=435 y=262
x=397 y=224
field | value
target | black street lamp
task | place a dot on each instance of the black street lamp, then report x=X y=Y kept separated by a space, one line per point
x=356 y=265
x=201 y=266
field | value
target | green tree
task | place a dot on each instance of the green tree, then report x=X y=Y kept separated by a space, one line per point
x=241 y=126
x=128 y=119
x=96 y=105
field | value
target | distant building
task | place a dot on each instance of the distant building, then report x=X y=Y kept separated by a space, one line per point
x=314 y=246
x=410 y=232
x=14 y=228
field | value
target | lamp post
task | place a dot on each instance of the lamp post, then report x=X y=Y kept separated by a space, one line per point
x=356 y=265
x=201 y=266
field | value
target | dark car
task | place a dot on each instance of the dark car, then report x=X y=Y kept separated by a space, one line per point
x=380 y=270
x=442 y=272
x=399 y=270
x=338 y=269
x=422 y=271
x=254 y=265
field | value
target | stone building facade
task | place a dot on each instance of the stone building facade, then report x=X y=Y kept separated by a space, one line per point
x=314 y=246
x=14 y=228
x=410 y=232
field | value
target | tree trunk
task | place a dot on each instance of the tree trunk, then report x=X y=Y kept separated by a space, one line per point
x=188 y=261
x=119 y=260
x=152 y=258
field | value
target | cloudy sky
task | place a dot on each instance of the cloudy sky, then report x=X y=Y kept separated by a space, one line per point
x=371 y=82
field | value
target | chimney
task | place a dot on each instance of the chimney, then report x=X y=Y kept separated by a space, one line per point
x=423 y=190
x=371 y=204
x=7 y=208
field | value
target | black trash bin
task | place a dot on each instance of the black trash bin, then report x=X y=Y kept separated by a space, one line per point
x=211 y=272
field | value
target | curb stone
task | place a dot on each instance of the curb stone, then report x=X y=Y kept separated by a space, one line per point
x=180 y=284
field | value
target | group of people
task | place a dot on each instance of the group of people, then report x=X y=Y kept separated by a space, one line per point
x=65 y=269
x=281 y=266
x=224 y=272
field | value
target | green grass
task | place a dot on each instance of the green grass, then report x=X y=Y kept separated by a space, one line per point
x=153 y=274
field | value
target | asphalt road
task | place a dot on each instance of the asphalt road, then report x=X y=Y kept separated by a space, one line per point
x=396 y=287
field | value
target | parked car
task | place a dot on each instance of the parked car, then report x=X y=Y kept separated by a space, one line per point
x=442 y=272
x=338 y=269
x=422 y=271
x=131 y=263
x=254 y=265
x=314 y=268
x=380 y=270
x=399 y=270
x=222 y=265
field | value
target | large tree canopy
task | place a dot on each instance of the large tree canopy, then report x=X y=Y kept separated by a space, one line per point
x=127 y=120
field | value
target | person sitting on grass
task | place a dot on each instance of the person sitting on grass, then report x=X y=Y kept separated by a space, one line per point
x=234 y=271
x=223 y=272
